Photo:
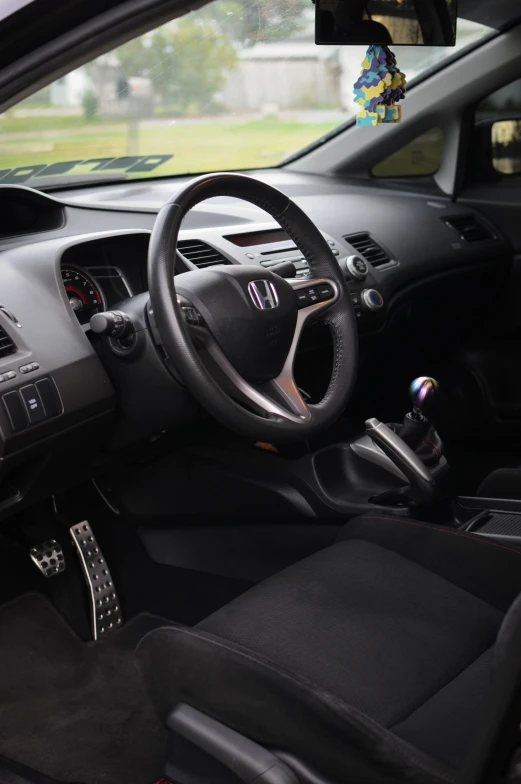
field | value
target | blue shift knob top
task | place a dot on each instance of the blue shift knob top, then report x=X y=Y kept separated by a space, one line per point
x=422 y=391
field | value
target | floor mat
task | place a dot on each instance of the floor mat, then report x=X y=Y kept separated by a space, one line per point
x=72 y=710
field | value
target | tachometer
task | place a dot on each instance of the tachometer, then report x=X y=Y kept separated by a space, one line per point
x=84 y=294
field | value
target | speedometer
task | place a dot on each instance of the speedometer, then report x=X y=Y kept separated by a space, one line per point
x=84 y=294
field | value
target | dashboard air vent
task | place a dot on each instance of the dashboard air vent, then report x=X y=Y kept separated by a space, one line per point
x=470 y=228
x=200 y=254
x=370 y=250
x=6 y=344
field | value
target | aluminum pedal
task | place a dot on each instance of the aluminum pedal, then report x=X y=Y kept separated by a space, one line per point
x=48 y=557
x=106 y=614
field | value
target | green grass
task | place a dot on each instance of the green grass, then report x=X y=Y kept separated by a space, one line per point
x=196 y=146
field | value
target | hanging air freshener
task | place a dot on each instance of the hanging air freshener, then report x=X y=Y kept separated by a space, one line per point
x=379 y=88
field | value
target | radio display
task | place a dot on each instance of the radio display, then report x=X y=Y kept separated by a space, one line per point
x=257 y=237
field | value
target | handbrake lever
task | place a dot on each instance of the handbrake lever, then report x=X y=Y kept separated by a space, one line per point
x=423 y=485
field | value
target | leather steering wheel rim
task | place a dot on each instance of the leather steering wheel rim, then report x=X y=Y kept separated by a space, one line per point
x=178 y=341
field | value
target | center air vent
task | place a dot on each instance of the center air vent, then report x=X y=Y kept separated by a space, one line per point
x=370 y=250
x=6 y=344
x=200 y=254
x=470 y=228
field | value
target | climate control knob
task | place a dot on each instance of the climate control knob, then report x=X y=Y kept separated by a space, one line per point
x=372 y=299
x=357 y=267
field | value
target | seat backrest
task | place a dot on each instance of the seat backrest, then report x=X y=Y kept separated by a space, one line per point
x=499 y=734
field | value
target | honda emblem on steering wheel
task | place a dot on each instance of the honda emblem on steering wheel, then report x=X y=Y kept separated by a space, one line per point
x=263 y=294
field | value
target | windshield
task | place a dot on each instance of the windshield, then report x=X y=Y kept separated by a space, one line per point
x=237 y=84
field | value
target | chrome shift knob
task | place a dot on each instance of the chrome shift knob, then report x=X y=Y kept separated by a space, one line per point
x=422 y=392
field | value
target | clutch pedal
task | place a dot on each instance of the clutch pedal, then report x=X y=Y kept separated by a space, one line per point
x=106 y=614
x=48 y=557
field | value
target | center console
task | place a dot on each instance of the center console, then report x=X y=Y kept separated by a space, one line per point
x=496 y=518
x=391 y=464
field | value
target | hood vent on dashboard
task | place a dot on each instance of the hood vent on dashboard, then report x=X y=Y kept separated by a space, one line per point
x=200 y=254
x=6 y=344
x=370 y=250
x=470 y=228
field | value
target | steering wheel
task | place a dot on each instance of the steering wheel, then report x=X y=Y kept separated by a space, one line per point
x=232 y=331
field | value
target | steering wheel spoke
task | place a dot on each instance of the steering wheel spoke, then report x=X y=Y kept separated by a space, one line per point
x=279 y=397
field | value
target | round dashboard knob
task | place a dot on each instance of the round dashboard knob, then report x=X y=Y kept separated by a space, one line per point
x=357 y=267
x=372 y=299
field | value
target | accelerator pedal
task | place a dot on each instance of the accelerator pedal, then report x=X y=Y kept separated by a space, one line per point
x=48 y=557
x=106 y=614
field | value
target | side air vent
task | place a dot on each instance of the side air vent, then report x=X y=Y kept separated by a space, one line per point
x=470 y=228
x=200 y=254
x=6 y=344
x=371 y=251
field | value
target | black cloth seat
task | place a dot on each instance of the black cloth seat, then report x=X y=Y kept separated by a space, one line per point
x=370 y=661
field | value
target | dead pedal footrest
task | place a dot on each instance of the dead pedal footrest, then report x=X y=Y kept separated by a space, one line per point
x=48 y=557
x=105 y=607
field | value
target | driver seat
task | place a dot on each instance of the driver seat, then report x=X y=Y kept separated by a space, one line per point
x=391 y=656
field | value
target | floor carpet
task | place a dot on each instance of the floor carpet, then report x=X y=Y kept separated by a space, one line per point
x=72 y=710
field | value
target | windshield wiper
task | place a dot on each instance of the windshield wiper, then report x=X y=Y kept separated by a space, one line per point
x=92 y=170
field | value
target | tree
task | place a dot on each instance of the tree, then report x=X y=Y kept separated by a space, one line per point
x=186 y=61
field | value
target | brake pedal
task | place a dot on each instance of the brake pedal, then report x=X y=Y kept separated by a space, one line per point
x=106 y=614
x=48 y=557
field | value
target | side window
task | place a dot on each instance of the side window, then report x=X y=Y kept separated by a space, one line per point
x=498 y=131
x=419 y=158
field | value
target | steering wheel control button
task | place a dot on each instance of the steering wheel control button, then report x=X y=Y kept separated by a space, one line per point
x=372 y=299
x=326 y=292
x=357 y=267
x=192 y=317
x=33 y=404
x=314 y=296
x=302 y=299
x=15 y=411
x=49 y=397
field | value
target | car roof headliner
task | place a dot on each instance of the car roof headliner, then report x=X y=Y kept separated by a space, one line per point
x=498 y=14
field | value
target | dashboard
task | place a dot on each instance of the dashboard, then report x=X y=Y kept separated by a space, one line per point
x=66 y=257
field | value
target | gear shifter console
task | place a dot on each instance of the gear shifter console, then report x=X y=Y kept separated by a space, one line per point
x=412 y=451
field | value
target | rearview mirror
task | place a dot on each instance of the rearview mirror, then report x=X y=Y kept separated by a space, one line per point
x=386 y=22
